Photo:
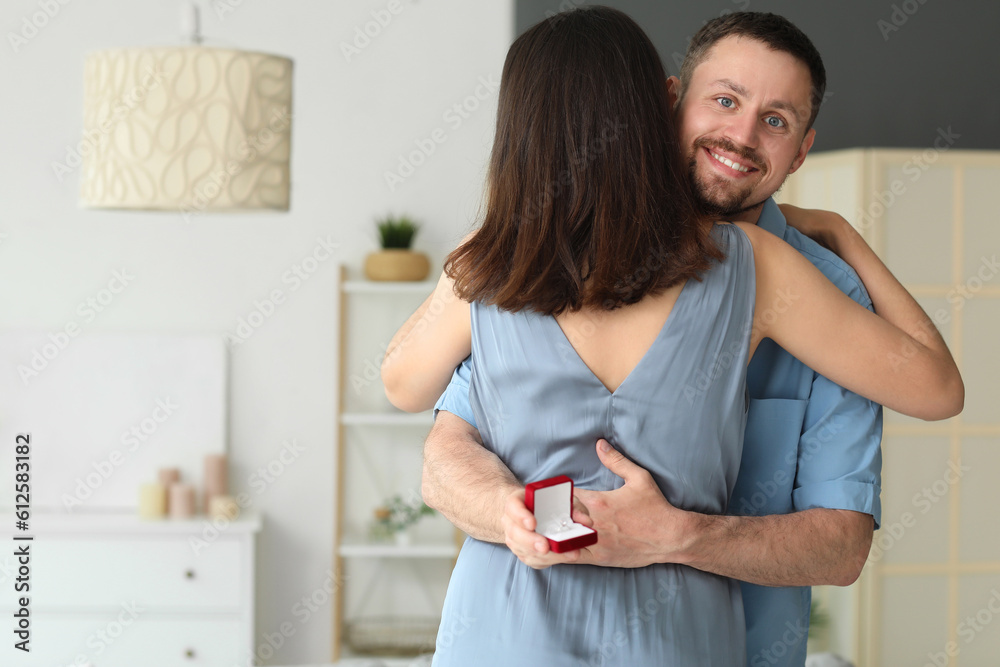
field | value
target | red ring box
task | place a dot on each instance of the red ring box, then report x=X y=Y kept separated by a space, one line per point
x=551 y=501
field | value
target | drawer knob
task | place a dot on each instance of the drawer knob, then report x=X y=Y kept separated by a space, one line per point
x=189 y=654
x=189 y=574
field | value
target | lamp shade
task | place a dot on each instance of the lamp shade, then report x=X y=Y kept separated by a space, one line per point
x=189 y=129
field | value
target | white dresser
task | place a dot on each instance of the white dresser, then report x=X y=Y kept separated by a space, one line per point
x=116 y=591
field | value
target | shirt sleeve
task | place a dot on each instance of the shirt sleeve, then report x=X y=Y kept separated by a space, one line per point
x=455 y=398
x=840 y=450
x=839 y=456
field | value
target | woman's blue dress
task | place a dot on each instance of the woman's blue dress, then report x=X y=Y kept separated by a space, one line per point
x=679 y=414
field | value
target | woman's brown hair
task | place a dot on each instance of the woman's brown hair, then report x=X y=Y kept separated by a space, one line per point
x=587 y=202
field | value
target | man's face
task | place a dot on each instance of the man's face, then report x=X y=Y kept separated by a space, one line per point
x=742 y=125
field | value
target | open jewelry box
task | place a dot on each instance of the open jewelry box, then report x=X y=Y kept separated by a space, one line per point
x=551 y=500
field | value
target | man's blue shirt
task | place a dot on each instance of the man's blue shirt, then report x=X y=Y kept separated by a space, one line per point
x=809 y=443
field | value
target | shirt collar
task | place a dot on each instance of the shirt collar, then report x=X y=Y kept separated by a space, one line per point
x=772 y=219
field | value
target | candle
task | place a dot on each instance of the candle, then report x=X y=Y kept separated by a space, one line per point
x=152 y=501
x=166 y=477
x=216 y=477
x=223 y=507
x=181 y=501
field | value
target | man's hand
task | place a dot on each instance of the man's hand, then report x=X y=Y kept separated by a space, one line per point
x=635 y=524
x=531 y=548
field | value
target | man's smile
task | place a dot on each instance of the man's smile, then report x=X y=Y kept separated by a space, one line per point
x=729 y=163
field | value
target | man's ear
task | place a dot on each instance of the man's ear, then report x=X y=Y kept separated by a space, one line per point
x=807 y=143
x=673 y=90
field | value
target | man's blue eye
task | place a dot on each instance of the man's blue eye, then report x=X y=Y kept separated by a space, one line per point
x=725 y=101
x=774 y=121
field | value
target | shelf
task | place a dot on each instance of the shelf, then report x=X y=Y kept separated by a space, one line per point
x=371 y=287
x=359 y=549
x=362 y=434
x=366 y=660
x=387 y=419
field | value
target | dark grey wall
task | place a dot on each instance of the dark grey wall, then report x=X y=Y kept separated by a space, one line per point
x=886 y=87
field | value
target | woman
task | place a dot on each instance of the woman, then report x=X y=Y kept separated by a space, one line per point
x=589 y=227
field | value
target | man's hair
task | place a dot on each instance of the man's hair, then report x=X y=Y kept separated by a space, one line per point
x=587 y=200
x=775 y=31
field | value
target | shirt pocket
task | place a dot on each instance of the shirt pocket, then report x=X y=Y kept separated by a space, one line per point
x=766 y=478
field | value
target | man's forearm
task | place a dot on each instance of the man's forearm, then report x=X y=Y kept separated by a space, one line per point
x=464 y=481
x=809 y=548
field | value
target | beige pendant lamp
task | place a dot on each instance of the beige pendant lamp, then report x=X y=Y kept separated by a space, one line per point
x=187 y=129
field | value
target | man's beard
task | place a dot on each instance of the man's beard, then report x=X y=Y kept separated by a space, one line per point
x=718 y=199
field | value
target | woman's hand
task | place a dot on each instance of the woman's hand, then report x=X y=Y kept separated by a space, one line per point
x=531 y=548
x=826 y=228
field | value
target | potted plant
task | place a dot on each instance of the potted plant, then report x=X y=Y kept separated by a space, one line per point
x=396 y=261
x=396 y=517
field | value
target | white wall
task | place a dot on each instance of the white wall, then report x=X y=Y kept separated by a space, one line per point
x=352 y=120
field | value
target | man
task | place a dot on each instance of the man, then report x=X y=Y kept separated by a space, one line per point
x=807 y=495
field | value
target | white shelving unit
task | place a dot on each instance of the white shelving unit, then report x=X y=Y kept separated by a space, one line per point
x=379 y=419
x=370 y=287
x=379 y=455
x=350 y=549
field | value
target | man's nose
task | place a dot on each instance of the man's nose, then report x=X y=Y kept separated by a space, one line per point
x=744 y=130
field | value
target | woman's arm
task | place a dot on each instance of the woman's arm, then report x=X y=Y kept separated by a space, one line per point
x=424 y=352
x=896 y=358
x=833 y=231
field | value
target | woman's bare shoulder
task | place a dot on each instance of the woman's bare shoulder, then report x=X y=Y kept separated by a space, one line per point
x=764 y=242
